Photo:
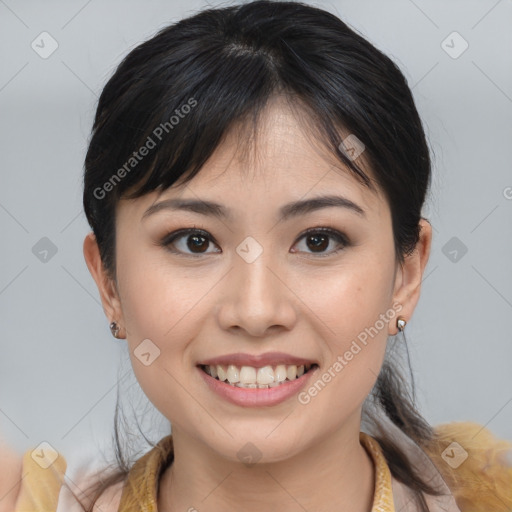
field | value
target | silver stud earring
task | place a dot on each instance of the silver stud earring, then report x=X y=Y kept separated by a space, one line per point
x=114 y=329
x=400 y=323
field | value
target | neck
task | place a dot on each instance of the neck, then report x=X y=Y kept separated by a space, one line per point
x=334 y=474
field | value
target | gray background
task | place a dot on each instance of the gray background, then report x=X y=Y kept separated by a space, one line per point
x=59 y=363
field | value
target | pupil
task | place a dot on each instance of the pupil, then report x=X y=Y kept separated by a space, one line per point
x=193 y=245
x=316 y=237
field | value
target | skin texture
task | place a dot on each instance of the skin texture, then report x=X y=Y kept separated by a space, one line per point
x=295 y=298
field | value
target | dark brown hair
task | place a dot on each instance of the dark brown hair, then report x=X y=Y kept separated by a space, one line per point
x=181 y=91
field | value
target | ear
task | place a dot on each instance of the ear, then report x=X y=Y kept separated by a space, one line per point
x=410 y=275
x=106 y=286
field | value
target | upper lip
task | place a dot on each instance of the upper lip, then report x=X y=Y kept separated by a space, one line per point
x=257 y=361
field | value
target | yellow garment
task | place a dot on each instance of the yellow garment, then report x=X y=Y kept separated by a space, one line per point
x=42 y=477
x=481 y=483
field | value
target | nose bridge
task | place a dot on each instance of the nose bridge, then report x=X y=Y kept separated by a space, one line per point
x=255 y=281
x=256 y=298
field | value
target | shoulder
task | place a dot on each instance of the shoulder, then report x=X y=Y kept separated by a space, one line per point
x=84 y=484
x=108 y=501
x=10 y=477
x=476 y=465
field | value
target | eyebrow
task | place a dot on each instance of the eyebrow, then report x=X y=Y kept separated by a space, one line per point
x=287 y=211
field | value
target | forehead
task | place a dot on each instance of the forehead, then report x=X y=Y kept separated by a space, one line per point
x=274 y=161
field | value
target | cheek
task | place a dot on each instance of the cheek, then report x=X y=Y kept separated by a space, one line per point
x=355 y=312
x=351 y=301
x=155 y=295
x=158 y=310
x=354 y=306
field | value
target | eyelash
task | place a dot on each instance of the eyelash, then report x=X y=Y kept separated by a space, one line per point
x=170 y=238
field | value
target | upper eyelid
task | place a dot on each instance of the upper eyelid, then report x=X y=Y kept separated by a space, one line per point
x=186 y=231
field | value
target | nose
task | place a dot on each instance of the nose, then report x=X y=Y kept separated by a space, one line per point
x=256 y=297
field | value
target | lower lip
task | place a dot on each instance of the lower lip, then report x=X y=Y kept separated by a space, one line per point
x=254 y=397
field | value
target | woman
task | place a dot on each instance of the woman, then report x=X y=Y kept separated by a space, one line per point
x=254 y=183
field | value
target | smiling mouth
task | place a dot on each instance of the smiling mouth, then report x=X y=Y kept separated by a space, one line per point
x=257 y=378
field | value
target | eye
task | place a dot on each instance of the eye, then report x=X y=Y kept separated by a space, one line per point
x=318 y=239
x=192 y=238
x=197 y=241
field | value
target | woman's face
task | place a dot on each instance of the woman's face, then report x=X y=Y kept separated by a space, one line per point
x=250 y=282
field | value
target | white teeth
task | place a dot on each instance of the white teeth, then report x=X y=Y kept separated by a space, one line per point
x=248 y=375
x=221 y=373
x=291 y=372
x=252 y=386
x=280 y=373
x=265 y=375
x=262 y=378
x=233 y=374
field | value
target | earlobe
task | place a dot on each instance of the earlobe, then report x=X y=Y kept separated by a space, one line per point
x=106 y=288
